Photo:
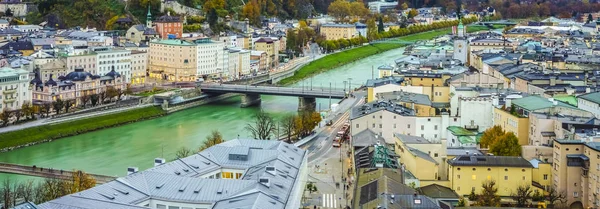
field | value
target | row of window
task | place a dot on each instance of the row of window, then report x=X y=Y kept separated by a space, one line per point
x=474 y=177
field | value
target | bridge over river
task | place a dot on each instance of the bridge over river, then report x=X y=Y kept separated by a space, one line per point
x=48 y=172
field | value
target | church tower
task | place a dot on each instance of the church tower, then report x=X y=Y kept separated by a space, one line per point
x=149 y=19
x=460 y=44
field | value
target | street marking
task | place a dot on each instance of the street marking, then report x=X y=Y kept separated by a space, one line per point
x=329 y=201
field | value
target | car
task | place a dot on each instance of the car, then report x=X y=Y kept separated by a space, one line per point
x=329 y=123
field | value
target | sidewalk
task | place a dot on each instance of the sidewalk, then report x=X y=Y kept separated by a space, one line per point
x=331 y=178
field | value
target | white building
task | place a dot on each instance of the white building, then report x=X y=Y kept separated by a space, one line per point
x=14 y=88
x=120 y=60
x=210 y=58
x=244 y=62
x=238 y=173
x=233 y=63
x=139 y=66
x=590 y=102
x=27 y=28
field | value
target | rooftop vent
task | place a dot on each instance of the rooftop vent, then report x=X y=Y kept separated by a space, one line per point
x=159 y=161
x=239 y=153
x=131 y=170
x=264 y=181
x=160 y=185
x=182 y=188
x=271 y=170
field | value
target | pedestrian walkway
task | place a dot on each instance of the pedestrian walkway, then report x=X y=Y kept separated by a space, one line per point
x=329 y=201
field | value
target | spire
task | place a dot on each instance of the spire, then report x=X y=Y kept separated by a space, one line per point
x=149 y=14
x=149 y=18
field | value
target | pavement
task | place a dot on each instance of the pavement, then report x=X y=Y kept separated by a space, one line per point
x=328 y=165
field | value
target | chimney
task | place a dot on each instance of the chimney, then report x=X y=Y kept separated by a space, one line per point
x=467 y=152
x=158 y=161
x=131 y=170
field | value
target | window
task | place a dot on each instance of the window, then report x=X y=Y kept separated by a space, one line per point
x=457 y=188
x=422 y=127
x=545 y=176
x=575 y=194
x=394 y=125
x=173 y=207
x=505 y=177
x=474 y=177
x=238 y=175
x=408 y=125
x=373 y=125
x=435 y=154
x=159 y=206
x=458 y=176
x=474 y=169
x=435 y=127
x=523 y=177
x=435 y=136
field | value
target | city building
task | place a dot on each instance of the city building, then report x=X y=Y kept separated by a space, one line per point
x=261 y=57
x=573 y=173
x=461 y=50
x=114 y=59
x=142 y=33
x=238 y=173
x=210 y=61
x=423 y=159
x=14 y=90
x=462 y=137
x=57 y=68
x=169 y=25
x=87 y=61
x=173 y=60
x=271 y=47
x=338 y=31
x=139 y=67
x=73 y=86
x=468 y=172
x=590 y=102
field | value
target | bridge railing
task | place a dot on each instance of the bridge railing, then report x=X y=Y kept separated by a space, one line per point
x=252 y=88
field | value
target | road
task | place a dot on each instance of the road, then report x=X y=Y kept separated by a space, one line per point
x=328 y=164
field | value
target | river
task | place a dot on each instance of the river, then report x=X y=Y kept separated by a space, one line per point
x=111 y=151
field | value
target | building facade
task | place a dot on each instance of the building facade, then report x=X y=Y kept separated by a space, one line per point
x=338 y=31
x=139 y=67
x=14 y=88
x=271 y=47
x=169 y=25
x=117 y=59
x=173 y=60
x=210 y=58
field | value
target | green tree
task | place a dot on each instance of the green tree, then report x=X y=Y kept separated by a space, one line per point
x=506 y=145
x=311 y=187
x=290 y=42
x=372 y=30
x=590 y=18
x=490 y=136
x=488 y=196
x=214 y=138
x=461 y=201
x=380 y=25
x=522 y=195
x=8 y=12
x=472 y=196
x=27 y=109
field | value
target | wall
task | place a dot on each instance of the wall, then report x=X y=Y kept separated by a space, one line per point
x=472 y=177
x=478 y=110
x=510 y=123
x=589 y=106
x=179 y=8
x=565 y=177
x=18 y=10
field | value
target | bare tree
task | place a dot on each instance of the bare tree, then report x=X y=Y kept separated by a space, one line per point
x=46 y=107
x=262 y=127
x=17 y=113
x=522 y=195
x=84 y=100
x=58 y=105
x=555 y=196
x=119 y=93
x=183 y=152
x=214 y=138
x=68 y=104
x=287 y=124
x=7 y=193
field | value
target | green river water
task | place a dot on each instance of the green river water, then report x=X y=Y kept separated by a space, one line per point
x=111 y=151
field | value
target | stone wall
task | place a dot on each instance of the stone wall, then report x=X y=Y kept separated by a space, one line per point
x=179 y=8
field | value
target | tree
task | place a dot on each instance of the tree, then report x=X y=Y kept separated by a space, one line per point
x=290 y=42
x=68 y=104
x=506 y=145
x=183 y=152
x=412 y=13
x=214 y=138
x=8 y=12
x=311 y=187
x=358 y=9
x=488 y=196
x=404 y=6
x=58 y=105
x=372 y=30
x=490 y=136
x=537 y=196
x=27 y=109
x=380 y=25
x=287 y=123
x=263 y=126
x=111 y=93
x=94 y=99
x=80 y=181
x=554 y=196
x=46 y=107
x=17 y=113
x=522 y=195
x=5 y=116
x=339 y=9
x=84 y=100
x=590 y=18
x=472 y=196
x=252 y=11
x=128 y=91
x=461 y=201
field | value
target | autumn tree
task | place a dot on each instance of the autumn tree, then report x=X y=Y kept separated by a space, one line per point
x=404 y=6
x=81 y=181
x=262 y=127
x=27 y=109
x=372 y=33
x=5 y=116
x=252 y=11
x=490 y=136
x=214 y=138
x=358 y=9
x=290 y=41
x=506 y=145
x=522 y=195
x=339 y=9
x=488 y=196
x=17 y=113
x=412 y=13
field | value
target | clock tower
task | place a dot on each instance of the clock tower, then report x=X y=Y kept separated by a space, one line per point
x=460 y=44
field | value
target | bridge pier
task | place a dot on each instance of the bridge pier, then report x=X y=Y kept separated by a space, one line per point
x=250 y=100
x=307 y=103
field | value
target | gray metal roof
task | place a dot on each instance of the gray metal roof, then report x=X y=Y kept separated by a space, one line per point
x=178 y=181
x=492 y=161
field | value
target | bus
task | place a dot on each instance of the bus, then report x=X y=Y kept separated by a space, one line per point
x=341 y=135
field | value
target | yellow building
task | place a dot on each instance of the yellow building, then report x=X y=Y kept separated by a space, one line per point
x=385 y=71
x=468 y=173
x=541 y=174
x=576 y=172
x=420 y=103
x=338 y=31
x=271 y=47
x=173 y=60
x=517 y=124
x=422 y=158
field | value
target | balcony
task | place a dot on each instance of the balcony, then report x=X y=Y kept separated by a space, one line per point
x=10 y=91
x=9 y=100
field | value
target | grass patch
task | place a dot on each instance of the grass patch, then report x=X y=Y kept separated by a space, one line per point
x=50 y=132
x=426 y=35
x=338 y=59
